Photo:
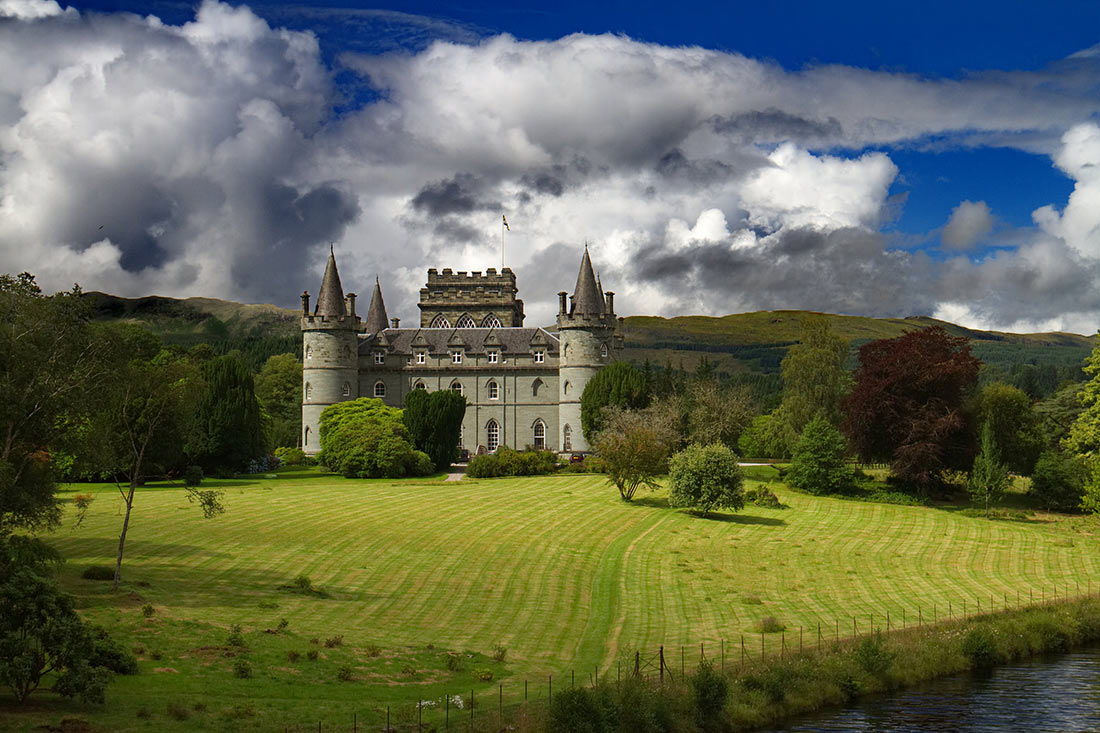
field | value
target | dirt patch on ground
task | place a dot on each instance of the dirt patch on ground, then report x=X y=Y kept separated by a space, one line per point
x=166 y=669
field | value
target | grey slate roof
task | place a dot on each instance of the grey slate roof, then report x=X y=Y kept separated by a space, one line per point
x=376 y=314
x=587 y=298
x=473 y=340
x=330 y=301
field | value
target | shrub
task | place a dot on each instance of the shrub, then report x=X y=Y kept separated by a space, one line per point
x=1058 y=481
x=156 y=655
x=509 y=462
x=978 y=646
x=242 y=669
x=281 y=626
x=500 y=652
x=235 y=638
x=192 y=476
x=344 y=673
x=293 y=656
x=454 y=662
x=769 y=625
x=706 y=477
x=762 y=495
x=578 y=711
x=334 y=641
x=709 y=690
x=484 y=674
x=312 y=655
x=373 y=650
x=177 y=711
x=818 y=464
x=364 y=438
x=109 y=654
x=290 y=456
x=147 y=610
x=873 y=657
x=98 y=572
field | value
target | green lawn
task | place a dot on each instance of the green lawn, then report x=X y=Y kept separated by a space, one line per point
x=556 y=569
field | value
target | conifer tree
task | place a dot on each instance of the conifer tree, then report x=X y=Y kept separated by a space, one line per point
x=228 y=416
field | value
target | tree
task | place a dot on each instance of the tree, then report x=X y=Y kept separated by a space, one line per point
x=434 y=421
x=989 y=477
x=617 y=385
x=767 y=436
x=1084 y=434
x=48 y=366
x=819 y=464
x=364 y=438
x=41 y=634
x=1058 y=412
x=815 y=377
x=706 y=477
x=1058 y=481
x=279 y=391
x=227 y=416
x=633 y=448
x=718 y=414
x=907 y=405
x=1016 y=428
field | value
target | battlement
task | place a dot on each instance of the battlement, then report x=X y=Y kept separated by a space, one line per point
x=449 y=297
x=316 y=322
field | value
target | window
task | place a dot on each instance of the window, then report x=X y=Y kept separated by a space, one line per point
x=540 y=356
x=456 y=386
x=380 y=357
x=456 y=357
x=494 y=357
x=603 y=351
x=380 y=388
x=421 y=357
x=492 y=435
x=309 y=352
x=536 y=386
x=345 y=352
x=567 y=438
x=420 y=385
x=461 y=436
x=347 y=390
x=566 y=387
x=493 y=389
x=305 y=440
x=465 y=322
x=309 y=392
x=440 y=322
x=490 y=321
x=540 y=435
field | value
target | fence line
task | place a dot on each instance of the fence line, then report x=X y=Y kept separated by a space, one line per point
x=470 y=713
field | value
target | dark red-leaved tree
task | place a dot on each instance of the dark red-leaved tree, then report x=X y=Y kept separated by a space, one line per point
x=907 y=406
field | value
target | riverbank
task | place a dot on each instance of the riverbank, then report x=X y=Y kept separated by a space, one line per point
x=766 y=692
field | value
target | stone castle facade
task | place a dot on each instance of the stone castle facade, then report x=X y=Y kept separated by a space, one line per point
x=522 y=385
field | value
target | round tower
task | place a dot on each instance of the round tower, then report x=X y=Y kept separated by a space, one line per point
x=330 y=354
x=587 y=329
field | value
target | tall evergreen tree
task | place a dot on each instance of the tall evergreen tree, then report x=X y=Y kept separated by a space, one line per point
x=815 y=378
x=619 y=385
x=228 y=416
x=279 y=390
x=434 y=422
x=989 y=477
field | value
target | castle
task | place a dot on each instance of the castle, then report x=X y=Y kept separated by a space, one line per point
x=522 y=385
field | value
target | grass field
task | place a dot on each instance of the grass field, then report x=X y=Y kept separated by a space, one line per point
x=556 y=569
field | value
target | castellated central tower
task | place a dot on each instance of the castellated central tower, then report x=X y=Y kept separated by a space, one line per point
x=330 y=360
x=590 y=339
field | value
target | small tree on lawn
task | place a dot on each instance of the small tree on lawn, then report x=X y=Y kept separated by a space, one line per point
x=819 y=465
x=706 y=477
x=633 y=448
x=1058 y=481
x=989 y=477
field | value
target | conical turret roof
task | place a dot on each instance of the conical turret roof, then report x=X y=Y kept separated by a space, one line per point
x=330 y=301
x=376 y=314
x=587 y=299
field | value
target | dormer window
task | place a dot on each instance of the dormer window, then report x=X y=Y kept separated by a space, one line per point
x=456 y=357
x=494 y=357
x=540 y=356
x=380 y=357
x=421 y=357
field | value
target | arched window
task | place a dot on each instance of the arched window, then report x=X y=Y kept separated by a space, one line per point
x=440 y=322
x=305 y=438
x=347 y=390
x=456 y=386
x=345 y=352
x=603 y=351
x=536 y=386
x=490 y=321
x=566 y=387
x=567 y=438
x=492 y=435
x=540 y=435
x=465 y=322
x=309 y=352
x=493 y=389
x=420 y=385
x=309 y=391
x=379 y=388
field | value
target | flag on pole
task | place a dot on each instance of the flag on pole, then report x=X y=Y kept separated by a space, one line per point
x=505 y=220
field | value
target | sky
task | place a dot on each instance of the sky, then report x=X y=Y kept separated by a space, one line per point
x=938 y=159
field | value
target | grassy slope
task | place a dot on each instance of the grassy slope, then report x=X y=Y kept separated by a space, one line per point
x=557 y=569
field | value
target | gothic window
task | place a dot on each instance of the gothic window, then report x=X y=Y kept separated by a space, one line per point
x=305 y=440
x=347 y=390
x=492 y=435
x=421 y=357
x=567 y=438
x=490 y=321
x=493 y=389
x=465 y=322
x=440 y=322
x=309 y=392
x=456 y=357
x=565 y=351
x=566 y=387
x=540 y=435
x=603 y=351
x=540 y=356
x=379 y=388
x=536 y=386
x=420 y=385
x=456 y=386
x=494 y=357
x=380 y=357
x=345 y=352
x=309 y=352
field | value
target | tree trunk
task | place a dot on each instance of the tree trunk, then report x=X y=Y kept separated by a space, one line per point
x=125 y=526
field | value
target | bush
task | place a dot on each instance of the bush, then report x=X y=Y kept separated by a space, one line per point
x=235 y=637
x=177 y=711
x=709 y=690
x=1058 y=481
x=291 y=456
x=500 y=652
x=769 y=625
x=242 y=669
x=334 y=641
x=579 y=711
x=818 y=465
x=509 y=462
x=148 y=611
x=109 y=654
x=98 y=572
x=293 y=656
x=706 y=477
x=454 y=662
x=344 y=673
x=312 y=655
x=364 y=438
x=192 y=476
x=978 y=646
x=873 y=657
x=762 y=495
x=484 y=674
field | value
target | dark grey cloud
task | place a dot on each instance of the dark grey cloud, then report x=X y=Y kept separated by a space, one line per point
x=776 y=125
x=461 y=194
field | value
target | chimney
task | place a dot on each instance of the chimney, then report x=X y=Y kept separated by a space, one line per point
x=610 y=302
x=395 y=322
x=351 y=303
x=305 y=302
x=561 y=302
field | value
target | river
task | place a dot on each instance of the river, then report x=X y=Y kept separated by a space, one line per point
x=1047 y=694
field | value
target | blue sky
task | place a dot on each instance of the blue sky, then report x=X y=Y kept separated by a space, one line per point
x=932 y=158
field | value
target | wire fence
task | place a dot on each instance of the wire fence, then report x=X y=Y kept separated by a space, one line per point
x=523 y=704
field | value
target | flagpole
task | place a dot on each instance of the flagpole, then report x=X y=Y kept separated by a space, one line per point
x=502 y=244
